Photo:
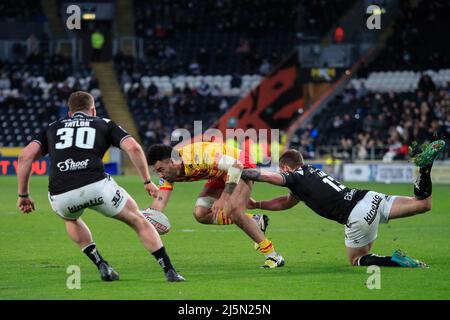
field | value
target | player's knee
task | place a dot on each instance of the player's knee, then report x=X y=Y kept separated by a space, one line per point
x=139 y=222
x=237 y=215
x=202 y=215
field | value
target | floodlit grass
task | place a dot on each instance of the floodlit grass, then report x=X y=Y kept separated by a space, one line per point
x=219 y=262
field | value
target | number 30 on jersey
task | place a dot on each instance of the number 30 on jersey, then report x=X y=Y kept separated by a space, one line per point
x=84 y=138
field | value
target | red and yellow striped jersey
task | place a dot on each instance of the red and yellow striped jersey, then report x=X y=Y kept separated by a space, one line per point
x=201 y=162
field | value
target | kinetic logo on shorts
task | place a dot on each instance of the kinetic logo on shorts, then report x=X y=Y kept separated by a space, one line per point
x=70 y=165
x=93 y=202
x=373 y=211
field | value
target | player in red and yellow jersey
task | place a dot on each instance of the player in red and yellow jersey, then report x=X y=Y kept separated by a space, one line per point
x=224 y=197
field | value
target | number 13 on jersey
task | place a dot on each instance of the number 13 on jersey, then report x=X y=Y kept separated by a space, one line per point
x=331 y=182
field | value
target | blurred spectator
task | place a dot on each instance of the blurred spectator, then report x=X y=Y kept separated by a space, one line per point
x=169 y=52
x=339 y=34
x=379 y=124
x=194 y=68
x=203 y=56
x=33 y=44
x=426 y=84
x=244 y=47
x=94 y=83
x=5 y=83
x=216 y=90
x=160 y=31
x=223 y=104
x=236 y=81
x=152 y=90
x=187 y=90
x=265 y=67
x=204 y=89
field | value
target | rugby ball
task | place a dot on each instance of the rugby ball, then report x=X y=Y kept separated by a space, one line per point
x=158 y=219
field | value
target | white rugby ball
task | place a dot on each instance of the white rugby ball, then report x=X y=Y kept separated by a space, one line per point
x=158 y=219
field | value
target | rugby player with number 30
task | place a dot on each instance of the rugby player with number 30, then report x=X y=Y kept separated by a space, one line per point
x=76 y=146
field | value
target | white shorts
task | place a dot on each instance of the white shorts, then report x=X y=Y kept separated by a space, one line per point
x=362 y=224
x=104 y=196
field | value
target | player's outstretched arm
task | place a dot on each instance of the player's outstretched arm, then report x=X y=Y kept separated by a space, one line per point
x=276 y=204
x=264 y=176
x=137 y=156
x=29 y=154
x=160 y=202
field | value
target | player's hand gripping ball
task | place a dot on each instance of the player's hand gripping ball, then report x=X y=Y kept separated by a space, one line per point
x=158 y=219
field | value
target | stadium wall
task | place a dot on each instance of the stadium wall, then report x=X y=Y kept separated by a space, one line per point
x=391 y=172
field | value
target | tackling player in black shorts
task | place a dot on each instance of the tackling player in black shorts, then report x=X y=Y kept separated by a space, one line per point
x=359 y=210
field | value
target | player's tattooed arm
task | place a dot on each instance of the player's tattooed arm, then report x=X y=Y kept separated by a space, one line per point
x=277 y=204
x=264 y=176
x=229 y=188
x=160 y=202
x=251 y=174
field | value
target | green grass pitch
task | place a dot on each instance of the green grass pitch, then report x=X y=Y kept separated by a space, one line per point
x=219 y=262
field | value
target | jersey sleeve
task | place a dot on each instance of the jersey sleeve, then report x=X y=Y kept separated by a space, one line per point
x=118 y=134
x=165 y=185
x=289 y=178
x=292 y=195
x=41 y=138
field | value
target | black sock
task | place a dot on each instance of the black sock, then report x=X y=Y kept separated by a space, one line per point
x=423 y=187
x=163 y=259
x=374 y=260
x=93 y=254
